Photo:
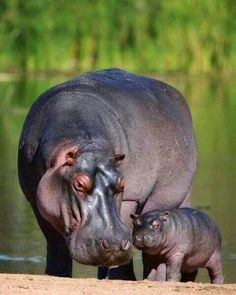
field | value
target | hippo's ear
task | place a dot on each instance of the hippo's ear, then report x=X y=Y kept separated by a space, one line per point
x=66 y=156
x=71 y=156
x=119 y=157
x=165 y=216
x=49 y=196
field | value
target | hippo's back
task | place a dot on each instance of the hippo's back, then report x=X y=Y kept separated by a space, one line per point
x=203 y=226
x=199 y=234
x=146 y=119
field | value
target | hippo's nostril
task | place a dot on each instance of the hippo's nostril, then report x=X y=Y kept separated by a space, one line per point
x=125 y=245
x=105 y=244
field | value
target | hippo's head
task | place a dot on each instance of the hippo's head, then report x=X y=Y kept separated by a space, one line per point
x=80 y=195
x=148 y=231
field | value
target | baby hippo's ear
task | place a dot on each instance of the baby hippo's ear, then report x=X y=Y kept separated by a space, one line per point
x=135 y=219
x=165 y=216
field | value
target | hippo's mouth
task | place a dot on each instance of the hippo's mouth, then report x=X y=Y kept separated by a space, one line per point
x=148 y=249
x=142 y=248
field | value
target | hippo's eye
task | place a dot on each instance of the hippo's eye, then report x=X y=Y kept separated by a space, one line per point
x=120 y=185
x=82 y=183
x=155 y=224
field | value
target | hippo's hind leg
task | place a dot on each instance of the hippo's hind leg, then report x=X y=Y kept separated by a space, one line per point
x=102 y=272
x=122 y=272
x=189 y=277
x=59 y=262
x=214 y=267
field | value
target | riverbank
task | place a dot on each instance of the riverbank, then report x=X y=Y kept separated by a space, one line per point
x=35 y=284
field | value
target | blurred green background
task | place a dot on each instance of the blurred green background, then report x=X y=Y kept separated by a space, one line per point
x=188 y=44
x=191 y=36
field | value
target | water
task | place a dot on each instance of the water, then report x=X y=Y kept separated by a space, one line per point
x=213 y=106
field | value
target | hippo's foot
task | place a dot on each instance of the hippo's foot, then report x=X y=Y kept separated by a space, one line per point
x=156 y=274
x=216 y=275
x=122 y=272
x=214 y=267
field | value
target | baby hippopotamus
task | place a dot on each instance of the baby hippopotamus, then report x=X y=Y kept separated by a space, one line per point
x=184 y=239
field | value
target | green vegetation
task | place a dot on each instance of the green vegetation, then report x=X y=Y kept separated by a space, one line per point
x=190 y=36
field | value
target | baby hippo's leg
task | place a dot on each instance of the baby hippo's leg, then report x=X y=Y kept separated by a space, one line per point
x=152 y=269
x=173 y=267
x=214 y=267
x=161 y=273
x=189 y=277
x=149 y=267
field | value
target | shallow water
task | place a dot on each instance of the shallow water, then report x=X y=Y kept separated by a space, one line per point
x=213 y=107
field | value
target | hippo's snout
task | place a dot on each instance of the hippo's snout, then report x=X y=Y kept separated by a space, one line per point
x=138 y=241
x=124 y=246
x=141 y=241
x=101 y=251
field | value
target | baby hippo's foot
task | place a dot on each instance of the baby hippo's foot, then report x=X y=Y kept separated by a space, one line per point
x=216 y=275
x=214 y=267
x=161 y=273
x=158 y=274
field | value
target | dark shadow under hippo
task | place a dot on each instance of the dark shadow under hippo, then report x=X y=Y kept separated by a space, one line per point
x=94 y=150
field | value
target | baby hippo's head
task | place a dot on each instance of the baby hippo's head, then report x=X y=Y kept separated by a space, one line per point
x=148 y=230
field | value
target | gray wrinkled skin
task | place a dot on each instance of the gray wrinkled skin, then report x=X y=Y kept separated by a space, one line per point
x=104 y=125
x=184 y=239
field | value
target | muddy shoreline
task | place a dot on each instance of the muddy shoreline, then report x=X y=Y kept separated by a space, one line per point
x=36 y=284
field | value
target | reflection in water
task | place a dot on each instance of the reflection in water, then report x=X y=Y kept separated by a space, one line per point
x=213 y=107
x=34 y=259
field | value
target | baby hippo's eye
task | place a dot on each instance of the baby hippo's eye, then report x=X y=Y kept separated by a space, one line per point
x=155 y=224
x=82 y=183
x=120 y=185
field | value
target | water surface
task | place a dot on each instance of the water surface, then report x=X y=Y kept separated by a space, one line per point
x=213 y=107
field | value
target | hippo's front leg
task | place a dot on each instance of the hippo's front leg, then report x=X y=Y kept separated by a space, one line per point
x=149 y=267
x=153 y=269
x=173 y=266
x=59 y=262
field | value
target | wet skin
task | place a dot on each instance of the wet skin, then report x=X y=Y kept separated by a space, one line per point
x=183 y=239
x=91 y=195
x=94 y=150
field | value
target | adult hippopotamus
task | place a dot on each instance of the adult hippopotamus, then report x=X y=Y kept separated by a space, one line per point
x=96 y=149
